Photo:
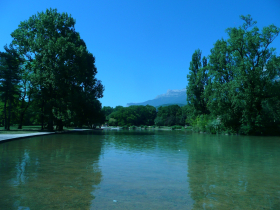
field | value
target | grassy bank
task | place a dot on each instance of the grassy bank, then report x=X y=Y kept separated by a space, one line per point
x=176 y=127
x=28 y=129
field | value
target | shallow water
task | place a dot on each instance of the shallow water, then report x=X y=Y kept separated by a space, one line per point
x=140 y=170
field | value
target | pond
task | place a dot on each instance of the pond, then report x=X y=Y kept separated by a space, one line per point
x=140 y=169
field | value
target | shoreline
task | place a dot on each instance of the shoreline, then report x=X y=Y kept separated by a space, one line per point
x=10 y=137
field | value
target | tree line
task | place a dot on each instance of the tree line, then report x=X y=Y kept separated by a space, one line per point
x=236 y=88
x=47 y=75
x=145 y=115
x=233 y=90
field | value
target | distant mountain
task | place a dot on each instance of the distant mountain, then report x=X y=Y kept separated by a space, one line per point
x=171 y=97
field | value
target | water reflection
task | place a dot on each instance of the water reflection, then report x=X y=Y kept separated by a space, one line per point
x=49 y=172
x=144 y=170
x=140 y=170
x=227 y=172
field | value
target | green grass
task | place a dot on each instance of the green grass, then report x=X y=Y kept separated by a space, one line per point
x=28 y=129
x=25 y=129
x=16 y=132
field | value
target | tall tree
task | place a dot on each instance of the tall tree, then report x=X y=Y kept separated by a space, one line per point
x=221 y=89
x=197 y=80
x=57 y=55
x=107 y=111
x=242 y=72
x=133 y=115
x=169 y=115
x=10 y=72
x=27 y=93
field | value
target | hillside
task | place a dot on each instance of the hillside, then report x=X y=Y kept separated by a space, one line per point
x=170 y=97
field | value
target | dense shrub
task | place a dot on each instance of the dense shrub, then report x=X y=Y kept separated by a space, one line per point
x=200 y=123
x=112 y=122
x=125 y=126
x=176 y=127
x=134 y=115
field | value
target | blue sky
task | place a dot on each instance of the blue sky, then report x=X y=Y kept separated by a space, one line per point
x=143 y=48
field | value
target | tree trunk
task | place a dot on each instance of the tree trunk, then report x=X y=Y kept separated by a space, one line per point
x=50 y=124
x=23 y=110
x=50 y=121
x=20 y=120
x=59 y=125
x=21 y=117
x=50 y=106
x=5 y=118
x=9 y=116
x=42 y=115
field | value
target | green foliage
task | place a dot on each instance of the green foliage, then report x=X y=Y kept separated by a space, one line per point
x=200 y=122
x=214 y=126
x=134 y=115
x=61 y=69
x=107 y=111
x=197 y=80
x=112 y=122
x=238 y=83
x=174 y=127
x=170 y=115
x=125 y=127
x=163 y=105
x=10 y=76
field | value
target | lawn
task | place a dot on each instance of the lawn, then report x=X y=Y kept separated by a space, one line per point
x=26 y=129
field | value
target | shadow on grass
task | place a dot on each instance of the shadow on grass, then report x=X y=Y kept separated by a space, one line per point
x=29 y=129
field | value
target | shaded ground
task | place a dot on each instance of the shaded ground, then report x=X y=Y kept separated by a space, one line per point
x=28 y=129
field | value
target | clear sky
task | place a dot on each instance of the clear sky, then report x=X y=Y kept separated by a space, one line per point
x=144 y=47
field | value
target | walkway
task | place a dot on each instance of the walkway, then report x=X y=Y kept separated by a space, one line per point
x=6 y=137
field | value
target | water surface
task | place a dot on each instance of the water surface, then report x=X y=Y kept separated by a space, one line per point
x=140 y=170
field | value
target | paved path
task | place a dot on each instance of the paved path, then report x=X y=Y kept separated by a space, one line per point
x=4 y=137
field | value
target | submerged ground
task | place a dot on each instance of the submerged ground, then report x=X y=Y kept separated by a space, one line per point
x=140 y=169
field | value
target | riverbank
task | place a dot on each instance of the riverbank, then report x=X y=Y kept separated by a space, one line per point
x=146 y=128
x=12 y=136
x=25 y=133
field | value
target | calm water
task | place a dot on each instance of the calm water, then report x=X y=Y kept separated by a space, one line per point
x=140 y=170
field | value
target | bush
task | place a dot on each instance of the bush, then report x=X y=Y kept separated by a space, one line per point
x=229 y=131
x=112 y=122
x=125 y=127
x=176 y=127
x=205 y=123
x=214 y=126
x=132 y=127
x=201 y=122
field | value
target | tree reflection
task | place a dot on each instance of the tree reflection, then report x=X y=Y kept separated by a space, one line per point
x=227 y=172
x=49 y=172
